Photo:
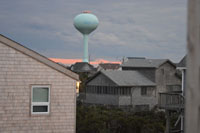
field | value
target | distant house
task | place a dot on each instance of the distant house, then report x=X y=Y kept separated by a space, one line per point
x=108 y=66
x=174 y=102
x=121 y=88
x=36 y=94
x=138 y=84
x=160 y=71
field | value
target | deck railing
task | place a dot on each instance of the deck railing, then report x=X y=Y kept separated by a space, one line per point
x=171 y=101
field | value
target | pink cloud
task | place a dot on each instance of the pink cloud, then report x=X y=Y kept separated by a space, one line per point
x=72 y=61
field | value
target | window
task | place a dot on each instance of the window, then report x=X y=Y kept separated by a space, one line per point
x=40 y=99
x=110 y=90
x=143 y=90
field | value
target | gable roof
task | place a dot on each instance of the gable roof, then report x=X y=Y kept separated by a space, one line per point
x=109 y=66
x=126 y=78
x=182 y=63
x=37 y=57
x=145 y=63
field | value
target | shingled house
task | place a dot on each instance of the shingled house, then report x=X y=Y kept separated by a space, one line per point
x=121 y=88
x=36 y=94
x=174 y=102
x=138 y=84
x=160 y=71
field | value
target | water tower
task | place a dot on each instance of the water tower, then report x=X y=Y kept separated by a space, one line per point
x=86 y=23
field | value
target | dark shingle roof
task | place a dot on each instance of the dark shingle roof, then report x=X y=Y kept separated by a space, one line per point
x=128 y=78
x=109 y=66
x=182 y=63
x=82 y=67
x=144 y=63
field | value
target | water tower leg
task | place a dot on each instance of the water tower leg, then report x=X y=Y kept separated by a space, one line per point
x=85 y=57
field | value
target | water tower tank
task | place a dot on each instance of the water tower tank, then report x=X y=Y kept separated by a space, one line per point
x=86 y=23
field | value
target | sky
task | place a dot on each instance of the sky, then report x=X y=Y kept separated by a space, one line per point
x=127 y=28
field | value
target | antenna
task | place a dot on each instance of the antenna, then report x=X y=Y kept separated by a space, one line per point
x=86 y=23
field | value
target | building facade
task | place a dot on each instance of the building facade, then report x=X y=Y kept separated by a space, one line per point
x=122 y=89
x=36 y=94
x=161 y=71
x=138 y=84
x=174 y=102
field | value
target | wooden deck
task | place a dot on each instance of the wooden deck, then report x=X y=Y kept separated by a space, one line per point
x=171 y=101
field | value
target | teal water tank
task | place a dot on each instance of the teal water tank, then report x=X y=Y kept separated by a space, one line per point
x=86 y=23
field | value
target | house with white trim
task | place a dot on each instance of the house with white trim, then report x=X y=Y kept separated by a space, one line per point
x=36 y=94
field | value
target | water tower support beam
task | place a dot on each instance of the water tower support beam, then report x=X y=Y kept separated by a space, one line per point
x=85 y=56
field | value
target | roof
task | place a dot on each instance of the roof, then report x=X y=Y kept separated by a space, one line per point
x=144 y=63
x=37 y=57
x=182 y=63
x=109 y=66
x=82 y=67
x=128 y=78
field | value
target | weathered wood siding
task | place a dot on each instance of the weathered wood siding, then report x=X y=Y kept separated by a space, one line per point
x=165 y=75
x=149 y=99
x=17 y=73
x=192 y=116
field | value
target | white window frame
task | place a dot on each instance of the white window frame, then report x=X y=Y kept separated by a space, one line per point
x=40 y=103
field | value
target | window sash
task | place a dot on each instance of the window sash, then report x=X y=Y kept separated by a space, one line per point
x=40 y=103
x=40 y=94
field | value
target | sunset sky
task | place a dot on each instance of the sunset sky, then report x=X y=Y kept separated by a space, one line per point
x=73 y=61
x=128 y=28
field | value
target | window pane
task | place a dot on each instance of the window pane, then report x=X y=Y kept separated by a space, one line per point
x=40 y=108
x=144 y=91
x=40 y=94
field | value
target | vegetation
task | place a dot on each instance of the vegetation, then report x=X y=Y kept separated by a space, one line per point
x=83 y=78
x=99 y=119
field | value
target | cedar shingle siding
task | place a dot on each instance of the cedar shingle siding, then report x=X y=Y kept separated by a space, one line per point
x=17 y=73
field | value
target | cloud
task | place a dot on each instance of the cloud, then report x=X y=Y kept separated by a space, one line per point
x=107 y=39
x=155 y=28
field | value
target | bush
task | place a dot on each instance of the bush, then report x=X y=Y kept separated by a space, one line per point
x=98 y=119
